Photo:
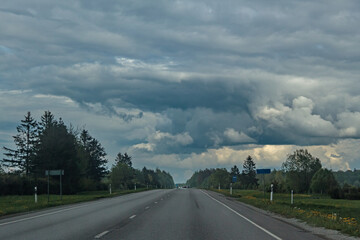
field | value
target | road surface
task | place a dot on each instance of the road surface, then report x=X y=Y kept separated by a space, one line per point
x=158 y=214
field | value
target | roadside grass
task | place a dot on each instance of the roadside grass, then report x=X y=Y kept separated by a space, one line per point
x=19 y=204
x=316 y=210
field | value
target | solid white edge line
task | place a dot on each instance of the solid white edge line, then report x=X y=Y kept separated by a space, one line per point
x=45 y=214
x=101 y=234
x=256 y=225
x=55 y=212
x=132 y=216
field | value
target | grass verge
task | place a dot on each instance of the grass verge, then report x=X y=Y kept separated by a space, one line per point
x=316 y=210
x=18 y=204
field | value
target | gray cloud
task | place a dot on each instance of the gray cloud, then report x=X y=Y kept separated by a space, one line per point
x=197 y=72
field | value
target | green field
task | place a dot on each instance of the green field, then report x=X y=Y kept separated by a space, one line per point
x=18 y=204
x=317 y=210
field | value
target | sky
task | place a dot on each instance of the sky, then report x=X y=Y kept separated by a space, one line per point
x=188 y=85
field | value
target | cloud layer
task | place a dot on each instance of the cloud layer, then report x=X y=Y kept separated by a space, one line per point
x=185 y=78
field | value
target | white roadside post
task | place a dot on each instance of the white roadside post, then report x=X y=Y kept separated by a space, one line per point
x=230 y=188
x=272 y=191
x=35 y=194
x=110 y=188
x=135 y=186
x=292 y=197
x=219 y=186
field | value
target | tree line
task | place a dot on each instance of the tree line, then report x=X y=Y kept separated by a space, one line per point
x=220 y=177
x=124 y=176
x=301 y=172
x=49 y=144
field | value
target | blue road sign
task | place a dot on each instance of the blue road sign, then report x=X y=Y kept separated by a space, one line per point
x=234 y=178
x=263 y=171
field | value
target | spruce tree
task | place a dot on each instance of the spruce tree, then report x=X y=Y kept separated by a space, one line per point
x=249 y=173
x=126 y=159
x=22 y=158
x=94 y=157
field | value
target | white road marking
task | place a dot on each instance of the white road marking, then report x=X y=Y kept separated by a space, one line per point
x=161 y=199
x=132 y=216
x=155 y=202
x=101 y=234
x=147 y=207
x=55 y=212
x=256 y=225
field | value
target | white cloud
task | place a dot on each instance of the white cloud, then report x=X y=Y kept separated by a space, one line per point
x=236 y=137
x=299 y=119
x=147 y=146
x=349 y=124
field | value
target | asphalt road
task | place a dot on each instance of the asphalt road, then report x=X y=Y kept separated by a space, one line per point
x=159 y=214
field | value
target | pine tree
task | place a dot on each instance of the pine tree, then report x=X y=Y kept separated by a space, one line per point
x=126 y=159
x=22 y=158
x=57 y=149
x=47 y=120
x=235 y=171
x=95 y=161
x=249 y=173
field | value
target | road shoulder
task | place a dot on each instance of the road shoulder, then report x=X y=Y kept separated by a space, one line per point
x=318 y=231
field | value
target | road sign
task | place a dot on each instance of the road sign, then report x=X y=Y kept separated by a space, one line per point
x=263 y=171
x=49 y=173
x=54 y=172
x=234 y=178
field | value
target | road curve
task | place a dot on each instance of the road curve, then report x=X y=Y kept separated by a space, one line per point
x=159 y=214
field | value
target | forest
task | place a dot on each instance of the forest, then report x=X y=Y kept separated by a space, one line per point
x=300 y=172
x=49 y=144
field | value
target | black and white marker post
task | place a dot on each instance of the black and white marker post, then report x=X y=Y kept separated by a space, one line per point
x=35 y=190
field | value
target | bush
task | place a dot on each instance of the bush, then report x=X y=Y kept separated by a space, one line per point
x=346 y=192
x=11 y=184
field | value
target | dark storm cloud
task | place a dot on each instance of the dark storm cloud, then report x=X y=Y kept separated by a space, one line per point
x=219 y=74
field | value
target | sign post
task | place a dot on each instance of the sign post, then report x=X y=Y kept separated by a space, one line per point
x=61 y=186
x=48 y=187
x=233 y=180
x=54 y=173
x=263 y=172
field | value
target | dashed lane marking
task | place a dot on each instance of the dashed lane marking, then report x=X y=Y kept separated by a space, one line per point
x=101 y=235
